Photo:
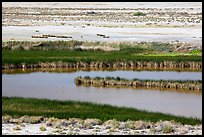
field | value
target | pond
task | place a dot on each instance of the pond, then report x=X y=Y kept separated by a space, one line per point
x=61 y=86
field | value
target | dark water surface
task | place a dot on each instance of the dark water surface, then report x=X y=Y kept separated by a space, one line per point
x=61 y=86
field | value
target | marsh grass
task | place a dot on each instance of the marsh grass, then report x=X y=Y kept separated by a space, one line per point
x=68 y=109
x=30 y=56
x=17 y=52
x=142 y=80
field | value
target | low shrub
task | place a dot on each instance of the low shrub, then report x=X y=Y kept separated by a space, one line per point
x=139 y=14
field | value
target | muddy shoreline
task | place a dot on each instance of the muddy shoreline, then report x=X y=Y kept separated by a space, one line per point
x=114 y=65
x=68 y=70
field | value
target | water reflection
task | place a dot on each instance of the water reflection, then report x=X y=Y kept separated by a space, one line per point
x=141 y=74
x=149 y=89
x=66 y=70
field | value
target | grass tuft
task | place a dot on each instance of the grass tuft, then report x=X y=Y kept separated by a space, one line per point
x=139 y=14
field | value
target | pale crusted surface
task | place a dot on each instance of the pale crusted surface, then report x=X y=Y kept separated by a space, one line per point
x=75 y=126
x=163 y=21
x=105 y=4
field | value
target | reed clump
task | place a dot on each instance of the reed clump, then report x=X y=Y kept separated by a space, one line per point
x=136 y=83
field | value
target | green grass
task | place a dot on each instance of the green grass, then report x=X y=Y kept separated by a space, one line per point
x=15 y=106
x=139 y=14
x=196 y=52
x=15 y=52
x=192 y=53
x=30 y=56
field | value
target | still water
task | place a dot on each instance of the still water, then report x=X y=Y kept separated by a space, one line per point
x=61 y=86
